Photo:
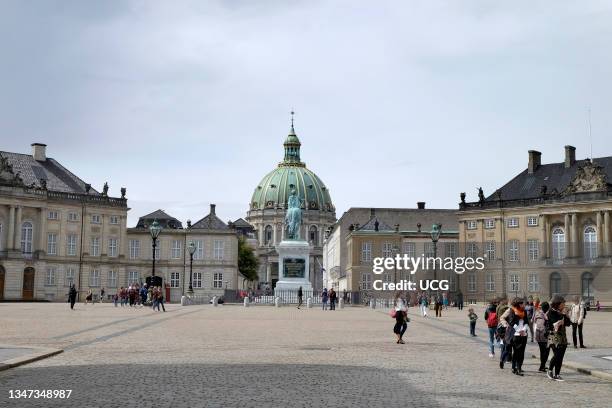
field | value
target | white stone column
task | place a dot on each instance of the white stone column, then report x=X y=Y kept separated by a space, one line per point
x=42 y=230
x=575 y=251
x=269 y=272
x=600 y=234
x=11 y=229
x=606 y=234
x=567 y=236
x=274 y=229
x=18 y=229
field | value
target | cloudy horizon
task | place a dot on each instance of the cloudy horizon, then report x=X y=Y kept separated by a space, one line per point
x=187 y=103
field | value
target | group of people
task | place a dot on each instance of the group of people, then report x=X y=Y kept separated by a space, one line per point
x=134 y=296
x=331 y=297
x=512 y=324
x=439 y=301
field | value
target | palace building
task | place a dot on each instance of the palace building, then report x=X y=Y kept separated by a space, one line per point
x=56 y=230
x=268 y=207
x=544 y=232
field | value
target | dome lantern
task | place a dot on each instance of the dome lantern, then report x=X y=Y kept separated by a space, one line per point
x=292 y=146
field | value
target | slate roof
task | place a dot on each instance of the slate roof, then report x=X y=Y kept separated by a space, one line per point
x=241 y=223
x=407 y=218
x=371 y=225
x=210 y=222
x=165 y=220
x=58 y=178
x=554 y=176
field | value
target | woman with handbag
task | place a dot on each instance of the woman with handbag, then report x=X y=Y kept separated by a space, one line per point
x=516 y=322
x=557 y=339
x=400 y=313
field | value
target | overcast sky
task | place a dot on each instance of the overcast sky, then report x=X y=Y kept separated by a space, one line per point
x=187 y=103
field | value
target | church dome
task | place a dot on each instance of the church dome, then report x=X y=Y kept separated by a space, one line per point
x=291 y=174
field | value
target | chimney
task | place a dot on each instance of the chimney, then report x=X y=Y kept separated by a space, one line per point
x=212 y=208
x=39 y=151
x=570 y=156
x=421 y=205
x=535 y=160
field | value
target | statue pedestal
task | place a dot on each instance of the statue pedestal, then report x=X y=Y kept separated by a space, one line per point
x=293 y=267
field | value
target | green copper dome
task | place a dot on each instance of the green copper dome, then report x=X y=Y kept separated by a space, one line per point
x=291 y=174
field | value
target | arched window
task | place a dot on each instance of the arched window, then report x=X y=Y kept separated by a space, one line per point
x=587 y=285
x=558 y=243
x=555 y=283
x=313 y=235
x=268 y=235
x=590 y=243
x=26 y=237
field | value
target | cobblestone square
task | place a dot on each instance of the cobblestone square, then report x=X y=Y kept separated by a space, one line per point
x=226 y=356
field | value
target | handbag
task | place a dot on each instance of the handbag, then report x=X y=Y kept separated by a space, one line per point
x=393 y=313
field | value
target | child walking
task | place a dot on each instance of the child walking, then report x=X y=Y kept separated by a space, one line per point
x=473 y=317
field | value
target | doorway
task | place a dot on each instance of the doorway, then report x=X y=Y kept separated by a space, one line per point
x=28 y=283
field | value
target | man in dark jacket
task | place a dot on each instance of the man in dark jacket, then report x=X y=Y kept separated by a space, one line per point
x=72 y=295
x=300 y=295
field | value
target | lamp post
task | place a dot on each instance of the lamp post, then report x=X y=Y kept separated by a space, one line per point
x=435 y=236
x=191 y=248
x=155 y=230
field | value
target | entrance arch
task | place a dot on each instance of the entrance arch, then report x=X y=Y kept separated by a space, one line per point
x=28 y=283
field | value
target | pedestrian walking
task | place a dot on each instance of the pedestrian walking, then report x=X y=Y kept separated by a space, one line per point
x=490 y=317
x=557 y=322
x=515 y=321
x=506 y=349
x=115 y=299
x=529 y=309
x=460 y=300
x=400 y=313
x=332 y=299
x=423 y=305
x=89 y=297
x=473 y=317
x=160 y=299
x=300 y=296
x=102 y=292
x=577 y=314
x=445 y=300
x=72 y=295
x=598 y=306
x=324 y=298
x=541 y=334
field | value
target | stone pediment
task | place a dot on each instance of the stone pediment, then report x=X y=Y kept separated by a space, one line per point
x=589 y=178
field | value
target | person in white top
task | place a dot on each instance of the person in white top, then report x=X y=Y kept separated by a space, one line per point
x=577 y=314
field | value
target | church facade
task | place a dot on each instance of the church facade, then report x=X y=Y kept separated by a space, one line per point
x=268 y=208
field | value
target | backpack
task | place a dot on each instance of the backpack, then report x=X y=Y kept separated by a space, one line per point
x=492 y=320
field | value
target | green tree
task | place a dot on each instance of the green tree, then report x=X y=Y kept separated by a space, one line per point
x=248 y=264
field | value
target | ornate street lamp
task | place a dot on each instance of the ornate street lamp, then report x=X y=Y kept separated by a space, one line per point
x=436 y=229
x=155 y=229
x=191 y=248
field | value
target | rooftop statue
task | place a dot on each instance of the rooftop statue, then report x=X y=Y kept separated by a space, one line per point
x=293 y=218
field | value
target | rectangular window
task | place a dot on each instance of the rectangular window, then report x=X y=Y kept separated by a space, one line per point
x=73 y=217
x=112 y=247
x=52 y=215
x=50 y=277
x=95 y=246
x=112 y=279
x=513 y=251
x=134 y=249
x=158 y=245
x=452 y=282
x=218 y=280
x=472 y=250
x=451 y=249
x=96 y=219
x=471 y=282
x=71 y=245
x=113 y=219
x=472 y=224
x=428 y=249
x=197 y=280
x=387 y=249
x=489 y=223
x=366 y=252
x=199 y=253
x=175 y=251
x=366 y=281
x=133 y=277
x=490 y=250
x=533 y=246
x=490 y=282
x=532 y=221
x=534 y=282
x=51 y=244
x=514 y=283
x=512 y=222
x=175 y=280
x=94 y=277
x=70 y=276
x=410 y=249
x=218 y=250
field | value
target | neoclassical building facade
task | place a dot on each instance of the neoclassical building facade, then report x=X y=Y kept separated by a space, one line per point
x=56 y=230
x=545 y=232
x=268 y=207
